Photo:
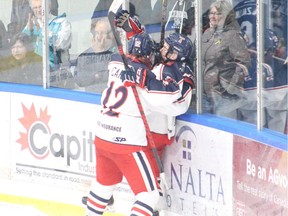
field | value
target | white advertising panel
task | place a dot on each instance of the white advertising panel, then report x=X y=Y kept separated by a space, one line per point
x=260 y=179
x=198 y=167
x=52 y=141
x=5 y=153
x=49 y=141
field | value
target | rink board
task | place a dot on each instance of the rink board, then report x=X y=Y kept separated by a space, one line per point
x=47 y=155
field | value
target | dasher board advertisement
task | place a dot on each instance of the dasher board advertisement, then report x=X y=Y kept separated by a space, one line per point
x=260 y=180
x=5 y=151
x=198 y=167
x=52 y=141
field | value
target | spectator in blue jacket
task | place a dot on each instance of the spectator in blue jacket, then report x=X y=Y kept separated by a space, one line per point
x=20 y=13
x=59 y=34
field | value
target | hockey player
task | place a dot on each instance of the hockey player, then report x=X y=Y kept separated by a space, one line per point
x=245 y=12
x=122 y=149
x=248 y=111
x=121 y=145
x=177 y=43
x=176 y=49
x=276 y=94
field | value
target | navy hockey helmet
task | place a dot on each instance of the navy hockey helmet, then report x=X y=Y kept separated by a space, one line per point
x=270 y=40
x=180 y=44
x=140 y=44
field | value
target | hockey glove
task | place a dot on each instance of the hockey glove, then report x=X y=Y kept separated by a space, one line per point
x=131 y=25
x=188 y=75
x=189 y=79
x=132 y=78
x=128 y=77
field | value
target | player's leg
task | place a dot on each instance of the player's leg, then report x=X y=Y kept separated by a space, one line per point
x=145 y=203
x=107 y=177
x=162 y=204
x=98 y=198
x=139 y=171
x=110 y=202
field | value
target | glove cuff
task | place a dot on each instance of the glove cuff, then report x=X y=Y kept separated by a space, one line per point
x=135 y=26
x=129 y=35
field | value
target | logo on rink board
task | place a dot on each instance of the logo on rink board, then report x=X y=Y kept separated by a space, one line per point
x=41 y=142
x=33 y=125
x=186 y=143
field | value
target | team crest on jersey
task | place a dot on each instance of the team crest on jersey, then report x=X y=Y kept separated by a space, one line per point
x=137 y=43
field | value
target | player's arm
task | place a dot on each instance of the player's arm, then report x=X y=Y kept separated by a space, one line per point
x=145 y=78
x=131 y=25
x=156 y=92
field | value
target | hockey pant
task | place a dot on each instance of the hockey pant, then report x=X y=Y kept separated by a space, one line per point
x=139 y=171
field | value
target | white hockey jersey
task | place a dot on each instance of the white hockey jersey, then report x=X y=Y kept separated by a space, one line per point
x=120 y=121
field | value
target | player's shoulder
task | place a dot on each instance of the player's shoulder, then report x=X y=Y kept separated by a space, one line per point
x=240 y=5
x=172 y=70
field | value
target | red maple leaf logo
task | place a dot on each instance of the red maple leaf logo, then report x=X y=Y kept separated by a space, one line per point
x=29 y=118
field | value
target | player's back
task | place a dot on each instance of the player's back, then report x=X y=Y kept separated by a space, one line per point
x=120 y=116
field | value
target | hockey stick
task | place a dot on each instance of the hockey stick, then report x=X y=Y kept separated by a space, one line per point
x=163 y=20
x=111 y=15
x=273 y=56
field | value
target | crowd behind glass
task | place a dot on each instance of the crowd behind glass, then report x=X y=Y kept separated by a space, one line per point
x=222 y=93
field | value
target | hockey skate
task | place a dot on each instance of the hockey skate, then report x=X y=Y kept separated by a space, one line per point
x=110 y=203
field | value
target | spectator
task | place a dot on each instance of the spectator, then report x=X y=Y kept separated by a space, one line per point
x=91 y=71
x=225 y=61
x=20 y=13
x=54 y=7
x=3 y=36
x=24 y=66
x=19 y=16
x=59 y=34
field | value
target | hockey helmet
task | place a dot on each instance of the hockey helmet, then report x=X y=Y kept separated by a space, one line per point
x=270 y=40
x=180 y=44
x=140 y=44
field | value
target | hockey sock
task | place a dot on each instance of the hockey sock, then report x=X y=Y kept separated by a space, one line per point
x=98 y=198
x=160 y=188
x=145 y=203
x=162 y=204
